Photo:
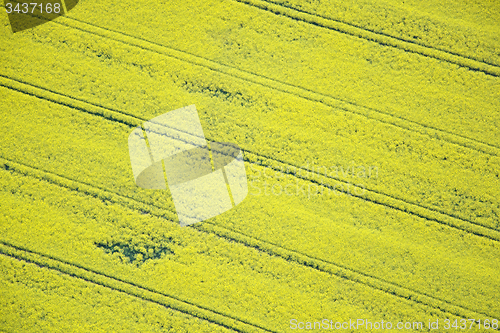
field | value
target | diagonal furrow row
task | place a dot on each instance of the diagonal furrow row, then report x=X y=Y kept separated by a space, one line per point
x=265 y=246
x=128 y=287
x=250 y=241
x=388 y=200
x=284 y=87
x=374 y=196
x=373 y=36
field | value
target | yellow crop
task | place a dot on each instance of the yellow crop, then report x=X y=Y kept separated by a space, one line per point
x=370 y=137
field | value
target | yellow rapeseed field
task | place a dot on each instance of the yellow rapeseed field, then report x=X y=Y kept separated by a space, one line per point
x=370 y=133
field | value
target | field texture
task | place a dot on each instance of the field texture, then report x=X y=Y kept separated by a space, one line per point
x=370 y=132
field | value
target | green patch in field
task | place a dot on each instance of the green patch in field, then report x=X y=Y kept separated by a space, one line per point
x=136 y=254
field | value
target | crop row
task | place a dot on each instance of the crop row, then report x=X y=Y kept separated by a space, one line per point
x=104 y=88
x=404 y=85
x=49 y=301
x=427 y=171
x=466 y=30
x=226 y=277
x=390 y=245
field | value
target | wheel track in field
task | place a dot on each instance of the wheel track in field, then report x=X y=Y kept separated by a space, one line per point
x=381 y=38
x=248 y=241
x=444 y=306
x=377 y=197
x=284 y=87
x=113 y=119
x=130 y=288
x=411 y=207
x=488 y=147
x=486 y=151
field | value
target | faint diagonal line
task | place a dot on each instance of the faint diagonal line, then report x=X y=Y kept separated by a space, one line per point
x=392 y=124
x=384 y=39
x=261 y=245
x=89 y=275
x=288 y=88
x=401 y=204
